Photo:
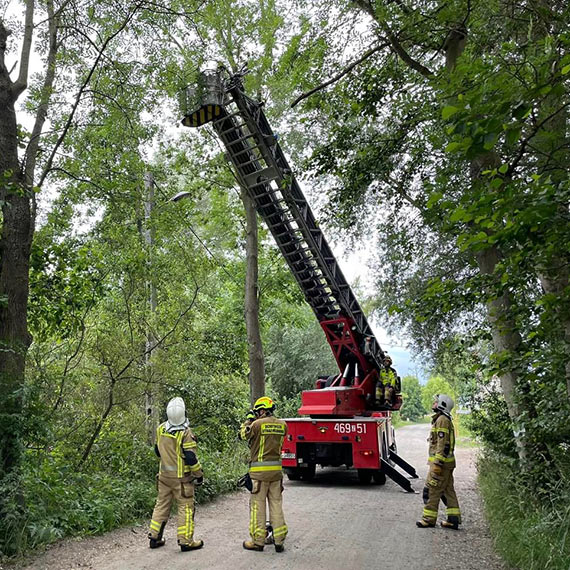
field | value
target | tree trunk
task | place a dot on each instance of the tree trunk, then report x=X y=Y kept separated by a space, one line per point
x=100 y=423
x=15 y=246
x=506 y=338
x=151 y=413
x=255 y=348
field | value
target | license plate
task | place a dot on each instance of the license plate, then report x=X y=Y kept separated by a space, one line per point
x=287 y=456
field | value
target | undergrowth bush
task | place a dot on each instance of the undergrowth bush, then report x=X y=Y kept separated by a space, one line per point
x=530 y=533
x=53 y=500
x=61 y=502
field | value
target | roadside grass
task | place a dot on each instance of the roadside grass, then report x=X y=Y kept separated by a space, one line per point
x=398 y=421
x=529 y=534
x=464 y=437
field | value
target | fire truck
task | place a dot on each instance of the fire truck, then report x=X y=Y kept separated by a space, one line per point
x=342 y=424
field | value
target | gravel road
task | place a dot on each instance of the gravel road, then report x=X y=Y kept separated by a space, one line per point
x=334 y=524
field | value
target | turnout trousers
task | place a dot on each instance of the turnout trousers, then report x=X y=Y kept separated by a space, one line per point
x=440 y=487
x=182 y=491
x=269 y=492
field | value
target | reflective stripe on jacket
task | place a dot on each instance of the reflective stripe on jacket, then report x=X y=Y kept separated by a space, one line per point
x=265 y=436
x=442 y=441
x=172 y=447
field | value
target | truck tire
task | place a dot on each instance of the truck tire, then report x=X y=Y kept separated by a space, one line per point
x=365 y=476
x=308 y=473
x=301 y=473
x=379 y=477
x=293 y=474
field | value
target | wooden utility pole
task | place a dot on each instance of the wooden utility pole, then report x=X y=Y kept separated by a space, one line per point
x=151 y=415
x=254 y=345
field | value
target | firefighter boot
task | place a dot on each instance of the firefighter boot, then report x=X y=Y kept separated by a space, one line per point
x=250 y=545
x=279 y=547
x=158 y=541
x=422 y=523
x=194 y=545
x=450 y=524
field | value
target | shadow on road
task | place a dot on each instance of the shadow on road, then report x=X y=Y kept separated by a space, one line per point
x=342 y=478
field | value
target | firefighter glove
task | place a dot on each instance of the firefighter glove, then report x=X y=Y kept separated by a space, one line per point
x=199 y=481
x=245 y=481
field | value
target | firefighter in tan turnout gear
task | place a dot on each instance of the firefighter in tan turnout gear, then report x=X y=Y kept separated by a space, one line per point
x=180 y=471
x=439 y=482
x=265 y=433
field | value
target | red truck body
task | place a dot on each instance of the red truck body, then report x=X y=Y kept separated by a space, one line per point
x=362 y=442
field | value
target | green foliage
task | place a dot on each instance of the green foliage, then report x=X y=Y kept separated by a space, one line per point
x=286 y=407
x=528 y=533
x=463 y=434
x=297 y=354
x=61 y=501
x=436 y=385
x=413 y=408
x=489 y=422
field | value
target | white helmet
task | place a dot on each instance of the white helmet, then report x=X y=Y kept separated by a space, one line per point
x=445 y=404
x=176 y=411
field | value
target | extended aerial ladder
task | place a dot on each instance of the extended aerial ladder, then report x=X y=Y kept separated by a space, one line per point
x=263 y=171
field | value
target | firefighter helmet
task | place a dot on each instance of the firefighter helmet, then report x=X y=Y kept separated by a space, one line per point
x=176 y=411
x=444 y=403
x=263 y=403
x=387 y=359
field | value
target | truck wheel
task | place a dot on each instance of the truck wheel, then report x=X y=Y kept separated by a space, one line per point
x=308 y=473
x=379 y=477
x=293 y=474
x=365 y=476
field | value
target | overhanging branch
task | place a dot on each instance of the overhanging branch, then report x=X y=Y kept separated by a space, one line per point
x=395 y=44
x=340 y=75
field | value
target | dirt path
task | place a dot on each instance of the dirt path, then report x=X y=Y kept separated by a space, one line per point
x=334 y=524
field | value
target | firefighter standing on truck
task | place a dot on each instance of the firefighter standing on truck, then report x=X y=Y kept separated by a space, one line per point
x=265 y=434
x=439 y=482
x=387 y=384
x=180 y=471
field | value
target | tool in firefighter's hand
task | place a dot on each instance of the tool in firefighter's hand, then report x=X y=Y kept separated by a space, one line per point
x=268 y=533
x=245 y=481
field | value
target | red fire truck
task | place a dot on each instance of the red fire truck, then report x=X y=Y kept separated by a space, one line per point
x=345 y=425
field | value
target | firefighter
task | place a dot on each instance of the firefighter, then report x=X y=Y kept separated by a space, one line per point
x=439 y=482
x=180 y=471
x=388 y=381
x=265 y=433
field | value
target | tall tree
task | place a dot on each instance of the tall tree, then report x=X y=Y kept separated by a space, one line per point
x=440 y=119
x=73 y=41
x=18 y=217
